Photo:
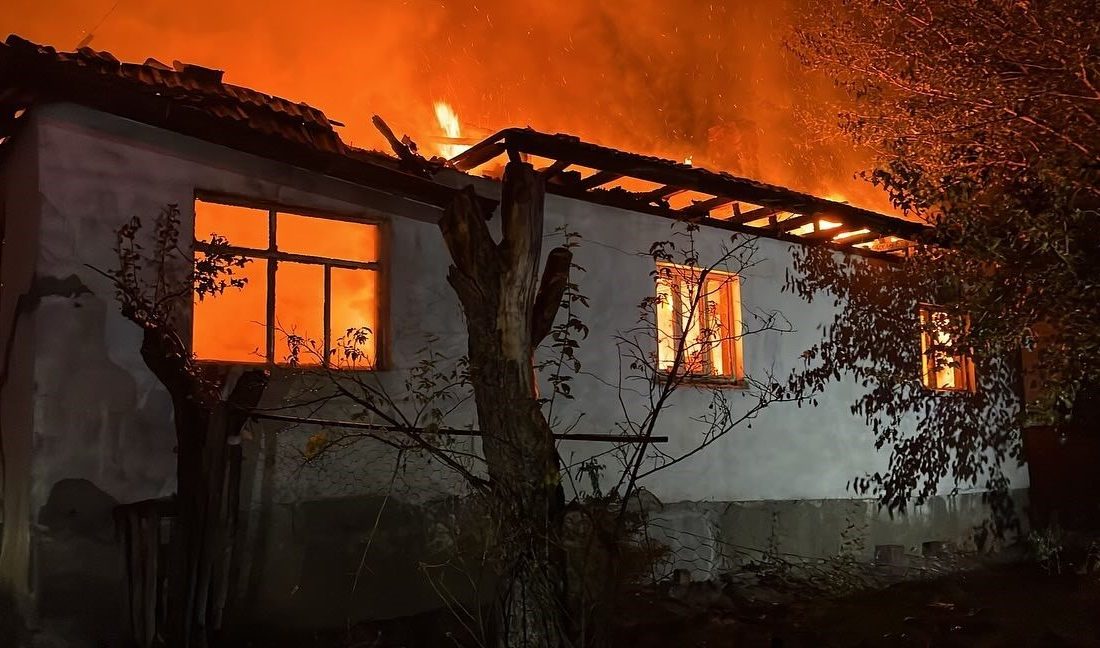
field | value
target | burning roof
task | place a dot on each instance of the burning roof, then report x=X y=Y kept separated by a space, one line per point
x=195 y=101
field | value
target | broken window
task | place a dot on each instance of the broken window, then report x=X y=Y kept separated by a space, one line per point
x=312 y=291
x=698 y=322
x=944 y=366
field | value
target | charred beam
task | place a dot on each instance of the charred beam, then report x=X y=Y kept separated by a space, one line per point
x=661 y=193
x=597 y=179
x=478 y=154
x=552 y=171
x=623 y=200
x=796 y=222
x=413 y=161
x=706 y=206
x=666 y=172
x=830 y=233
x=755 y=214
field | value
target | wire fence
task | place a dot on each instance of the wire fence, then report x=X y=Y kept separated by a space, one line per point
x=414 y=510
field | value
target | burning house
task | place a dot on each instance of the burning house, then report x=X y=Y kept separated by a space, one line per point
x=340 y=238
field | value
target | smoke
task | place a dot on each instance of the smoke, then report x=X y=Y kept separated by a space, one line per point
x=709 y=80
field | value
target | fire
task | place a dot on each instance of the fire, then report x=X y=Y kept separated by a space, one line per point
x=626 y=80
x=448 y=121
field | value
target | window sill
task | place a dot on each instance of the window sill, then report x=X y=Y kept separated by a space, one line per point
x=950 y=390
x=280 y=368
x=709 y=382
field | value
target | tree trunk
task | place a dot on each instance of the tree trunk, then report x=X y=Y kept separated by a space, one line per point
x=496 y=284
x=202 y=534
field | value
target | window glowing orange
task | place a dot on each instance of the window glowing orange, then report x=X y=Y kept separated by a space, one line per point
x=943 y=366
x=310 y=280
x=232 y=326
x=699 y=322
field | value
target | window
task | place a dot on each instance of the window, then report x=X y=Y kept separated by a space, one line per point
x=312 y=287
x=944 y=367
x=699 y=318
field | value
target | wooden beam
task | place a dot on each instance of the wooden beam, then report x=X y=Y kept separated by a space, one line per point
x=597 y=179
x=621 y=201
x=550 y=172
x=698 y=179
x=477 y=155
x=831 y=233
x=796 y=222
x=755 y=214
x=661 y=193
x=706 y=206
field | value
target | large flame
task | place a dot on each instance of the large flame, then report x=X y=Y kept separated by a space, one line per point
x=452 y=129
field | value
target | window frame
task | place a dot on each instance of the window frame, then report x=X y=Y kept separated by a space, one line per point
x=964 y=359
x=273 y=255
x=731 y=345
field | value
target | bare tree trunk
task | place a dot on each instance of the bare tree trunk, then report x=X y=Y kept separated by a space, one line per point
x=506 y=319
x=206 y=506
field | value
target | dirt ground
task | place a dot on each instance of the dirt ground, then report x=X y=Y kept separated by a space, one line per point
x=1009 y=605
x=1014 y=604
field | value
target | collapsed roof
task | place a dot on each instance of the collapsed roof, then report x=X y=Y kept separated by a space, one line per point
x=195 y=101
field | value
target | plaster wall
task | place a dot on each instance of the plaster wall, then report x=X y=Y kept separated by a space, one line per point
x=19 y=213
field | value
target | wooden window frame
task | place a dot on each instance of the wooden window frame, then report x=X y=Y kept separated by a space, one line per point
x=731 y=345
x=273 y=256
x=964 y=359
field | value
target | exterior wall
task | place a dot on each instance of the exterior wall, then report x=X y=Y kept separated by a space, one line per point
x=19 y=214
x=102 y=425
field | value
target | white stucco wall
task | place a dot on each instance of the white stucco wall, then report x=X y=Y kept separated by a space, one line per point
x=19 y=214
x=100 y=414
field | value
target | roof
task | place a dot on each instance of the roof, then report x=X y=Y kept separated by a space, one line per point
x=712 y=198
x=195 y=101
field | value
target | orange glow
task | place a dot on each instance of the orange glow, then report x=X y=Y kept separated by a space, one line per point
x=245 y=340
x=241 y=226
x=662 y=78
x=355 y=305
x=233 y=326
x=858 y=232
x=939 y=370
x=706 y=315
x=325 y=237
x=299 y=312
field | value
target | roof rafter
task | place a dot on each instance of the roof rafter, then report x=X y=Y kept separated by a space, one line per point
x=673 y=177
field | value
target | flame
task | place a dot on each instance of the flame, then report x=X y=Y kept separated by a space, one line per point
x=449 y=123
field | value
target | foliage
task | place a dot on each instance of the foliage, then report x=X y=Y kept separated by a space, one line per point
x=958 y=439
x=1045 y=546
x=156 y=281
x=983 y=119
